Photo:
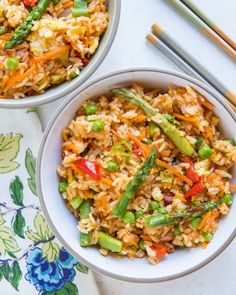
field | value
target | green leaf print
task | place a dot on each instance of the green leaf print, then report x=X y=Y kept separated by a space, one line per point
x=7 y=240
x=1 y=274
x=30 y=163
x=82 y=268
x=19 y=224
x=68 y=289
x=50 y=251
x=16 y=190
x=6 y=270
x=16 y=275
x=9 y=148
x=42 y=231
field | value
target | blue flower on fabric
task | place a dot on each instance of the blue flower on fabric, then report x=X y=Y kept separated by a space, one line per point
x=49 y=276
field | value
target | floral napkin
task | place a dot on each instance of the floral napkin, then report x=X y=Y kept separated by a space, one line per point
x=32 y=261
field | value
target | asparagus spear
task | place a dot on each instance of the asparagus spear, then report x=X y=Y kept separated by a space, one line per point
x=169 y=129
x=165 y=219
x=24 y=29
x=108 y=242
x=135 y=183
x=85 y=208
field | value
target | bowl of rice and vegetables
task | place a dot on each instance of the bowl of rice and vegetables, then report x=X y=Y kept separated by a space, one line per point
x=47 y=46
x=147 y=173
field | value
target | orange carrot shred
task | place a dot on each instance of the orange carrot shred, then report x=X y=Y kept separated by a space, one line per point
x=232 y=186
x=207 y=104
x=52 y=54
x=184 y=118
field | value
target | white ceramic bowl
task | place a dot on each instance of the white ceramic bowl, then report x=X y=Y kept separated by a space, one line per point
x=64 y=224
x=51 y=94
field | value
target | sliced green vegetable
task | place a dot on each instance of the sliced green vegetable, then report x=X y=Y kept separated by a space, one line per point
x=135 y=183
x=141 y=245
x=80 y=8
x=196 y=203
x=139 y=214
x=198 y=142
x=76 y=202
x=168 y=128
x=56 y=79
x=176 y=231
x=154 y=205
x=147 y=141
x=171 y=119
x=85 y=208
x=205 y=152
x=19 y=35
x=196 y=222
x=3 y=30
x=153 y=129
x=207 y=236
x=73 y=75
x=108 y=242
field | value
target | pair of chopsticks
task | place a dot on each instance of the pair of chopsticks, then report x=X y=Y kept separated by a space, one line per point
x=212 y=31
x=168 y=46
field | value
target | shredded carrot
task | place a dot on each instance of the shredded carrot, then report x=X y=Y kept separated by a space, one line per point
x=114 y=132
x=5 y=36
x=184 y=118
x=70 y=176
x=142 y=134
x=131 y=241
x=205 y=220
x=64 y=135
x=204 y=245
x=78 y=171
x=180 y=197
x=106 y=181
x=144 y=148
x=165 y=153
x=67 y=5
x=155 y=137
x=175 y=171
x=208 y=132
x=5 y=96
x=52 y=54
x=207 y=104
x=12 y=80
x=71 y=147
x=232 y=186
x=140 y=118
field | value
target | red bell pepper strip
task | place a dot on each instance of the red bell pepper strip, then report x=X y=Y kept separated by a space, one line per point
x=90 y=168
x=196 y=189
x=160 y=249
x=190 y=172
x=136 y=151
x=30 y=3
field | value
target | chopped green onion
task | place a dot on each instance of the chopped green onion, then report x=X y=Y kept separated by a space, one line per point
x=198 y=142
x=153 y=129
x=73 y=75
x=196 y=222
x=205 y=152
x=3 y=30
x=161 y=210
x=167 y=176
x=122 y=148
x=196 y=203
x=147 y=141
x=56 y=79
x=171 y=119
x=176 y=231
x=154 y=205
x=80 y=8
x=141 y=245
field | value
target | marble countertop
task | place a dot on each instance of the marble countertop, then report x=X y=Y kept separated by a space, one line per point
x=131 y=50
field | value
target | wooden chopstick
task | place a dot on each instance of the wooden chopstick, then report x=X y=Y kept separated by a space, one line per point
x=177 y=54
x=203 y=27
x=210 y=23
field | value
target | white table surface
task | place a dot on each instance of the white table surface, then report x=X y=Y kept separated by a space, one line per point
x=131 y=50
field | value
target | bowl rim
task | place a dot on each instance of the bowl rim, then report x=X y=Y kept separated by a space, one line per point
x=53 y=120
x=37 y=100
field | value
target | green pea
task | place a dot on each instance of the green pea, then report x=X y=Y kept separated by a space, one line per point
x=198 y=142
x=90 y=109
x=112 y=166
x=196 y=203
x=129 y=217
x=62 y=186
x=11 y=63
x=76 y=202
x=147 y=141
x=3 y=30
x=153 y=205
x=227 y=199
x=56 y=79
x=176 y=231
x=139 y=214
x=141 y=244
x=196 y=221
x=153 y=129
x=207 y=236
x=98 y=126
x=205 y=152
x=73 y=75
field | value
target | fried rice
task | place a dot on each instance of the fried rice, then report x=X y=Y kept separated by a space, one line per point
x=58 y=47
x=165 y=187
